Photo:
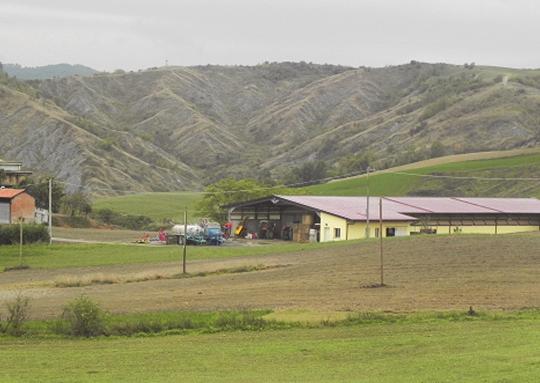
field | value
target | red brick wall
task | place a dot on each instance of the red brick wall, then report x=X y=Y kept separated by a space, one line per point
x=23 y=205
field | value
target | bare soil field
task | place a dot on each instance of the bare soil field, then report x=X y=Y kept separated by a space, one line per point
x=421 y=273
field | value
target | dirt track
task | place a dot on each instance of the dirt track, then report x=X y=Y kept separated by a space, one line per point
x=422 y=273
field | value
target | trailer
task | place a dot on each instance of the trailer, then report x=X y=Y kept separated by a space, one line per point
x=204 y=233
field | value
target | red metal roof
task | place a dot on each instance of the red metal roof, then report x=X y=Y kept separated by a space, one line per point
x=440 y=205
x=10 y=193
x=352 y=208
x=398 y=208
x=507 y=205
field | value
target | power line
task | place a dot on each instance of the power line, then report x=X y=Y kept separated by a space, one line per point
x=466 y=177
x=290 y=185
x=305 y=183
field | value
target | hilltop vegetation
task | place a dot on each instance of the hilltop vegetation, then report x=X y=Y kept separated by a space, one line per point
x=178 y=128
x=46 y=71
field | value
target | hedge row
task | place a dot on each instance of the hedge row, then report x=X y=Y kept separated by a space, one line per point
x=9 y=234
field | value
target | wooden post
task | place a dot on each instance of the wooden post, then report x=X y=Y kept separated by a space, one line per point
x=381 y=240
x=184 y=252
x=20 y=240
x=367 y=203
x=50 y=211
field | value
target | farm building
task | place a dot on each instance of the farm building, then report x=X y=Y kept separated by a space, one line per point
x=325 y=218
x=11 y=173
x=16 y=204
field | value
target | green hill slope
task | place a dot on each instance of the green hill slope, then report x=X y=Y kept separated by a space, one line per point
x=414 y=182
x=158 y=206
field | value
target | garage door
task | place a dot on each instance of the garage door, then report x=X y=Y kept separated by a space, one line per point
x=4 y=212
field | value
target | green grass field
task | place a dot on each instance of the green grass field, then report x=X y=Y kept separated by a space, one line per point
x=158 y=206
x=77 y=255
x=438 y=350
x=400 y=184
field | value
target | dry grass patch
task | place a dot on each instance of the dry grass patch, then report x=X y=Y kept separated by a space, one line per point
x=108 y=279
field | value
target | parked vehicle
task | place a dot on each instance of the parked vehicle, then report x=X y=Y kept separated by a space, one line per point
x=213 y=235
x=205 y=233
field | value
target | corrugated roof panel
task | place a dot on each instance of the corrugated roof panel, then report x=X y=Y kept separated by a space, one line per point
x=439 y=205
x=10 y=193
x=507 y=205
x=399 y=208
x=352 y=208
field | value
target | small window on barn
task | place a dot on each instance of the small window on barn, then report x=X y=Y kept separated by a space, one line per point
x=376 y=232
x=337 y=232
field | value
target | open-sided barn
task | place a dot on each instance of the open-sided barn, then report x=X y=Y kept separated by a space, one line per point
x=328 y=218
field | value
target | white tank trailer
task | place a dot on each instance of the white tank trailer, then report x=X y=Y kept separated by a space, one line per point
x=207 y=232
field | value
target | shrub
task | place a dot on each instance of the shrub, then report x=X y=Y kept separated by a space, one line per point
x=128 y=221
x=9 y=234
x=84 y=317
x=152 y=326
x=17 y=315
x=245 y=320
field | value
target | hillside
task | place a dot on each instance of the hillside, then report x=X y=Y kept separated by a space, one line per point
x=194 y=125
x=471 y=179
x=52 y=141
x=46 y=71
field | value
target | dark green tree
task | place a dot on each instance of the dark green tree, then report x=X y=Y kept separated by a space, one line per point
x=309 y=172
x=437 y=149
x=39 y=189
x=76 y=204
x=229 y=190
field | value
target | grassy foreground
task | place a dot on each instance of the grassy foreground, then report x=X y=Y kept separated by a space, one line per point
x=504 y=350
x=77 y=255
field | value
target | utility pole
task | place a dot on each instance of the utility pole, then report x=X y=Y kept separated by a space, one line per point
x=21 y=219
x=381 y=241
x=184 y=252
x=50 y=211
x=367 y=202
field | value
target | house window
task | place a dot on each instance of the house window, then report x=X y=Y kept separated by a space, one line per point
x=337 y=232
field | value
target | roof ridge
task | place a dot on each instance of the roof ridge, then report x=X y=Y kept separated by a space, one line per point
x=462 y=199
x=408 y=204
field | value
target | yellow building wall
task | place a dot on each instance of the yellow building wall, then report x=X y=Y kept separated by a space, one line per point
x=328 y=225
x=357 y=230
x=479 y=229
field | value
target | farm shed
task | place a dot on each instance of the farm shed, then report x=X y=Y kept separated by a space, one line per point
x=328 y=218
x=15 y=204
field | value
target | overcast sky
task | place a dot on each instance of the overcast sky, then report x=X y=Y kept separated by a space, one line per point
x=132 y=34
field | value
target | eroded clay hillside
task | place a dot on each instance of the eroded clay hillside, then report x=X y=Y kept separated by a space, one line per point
x=177 y=128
